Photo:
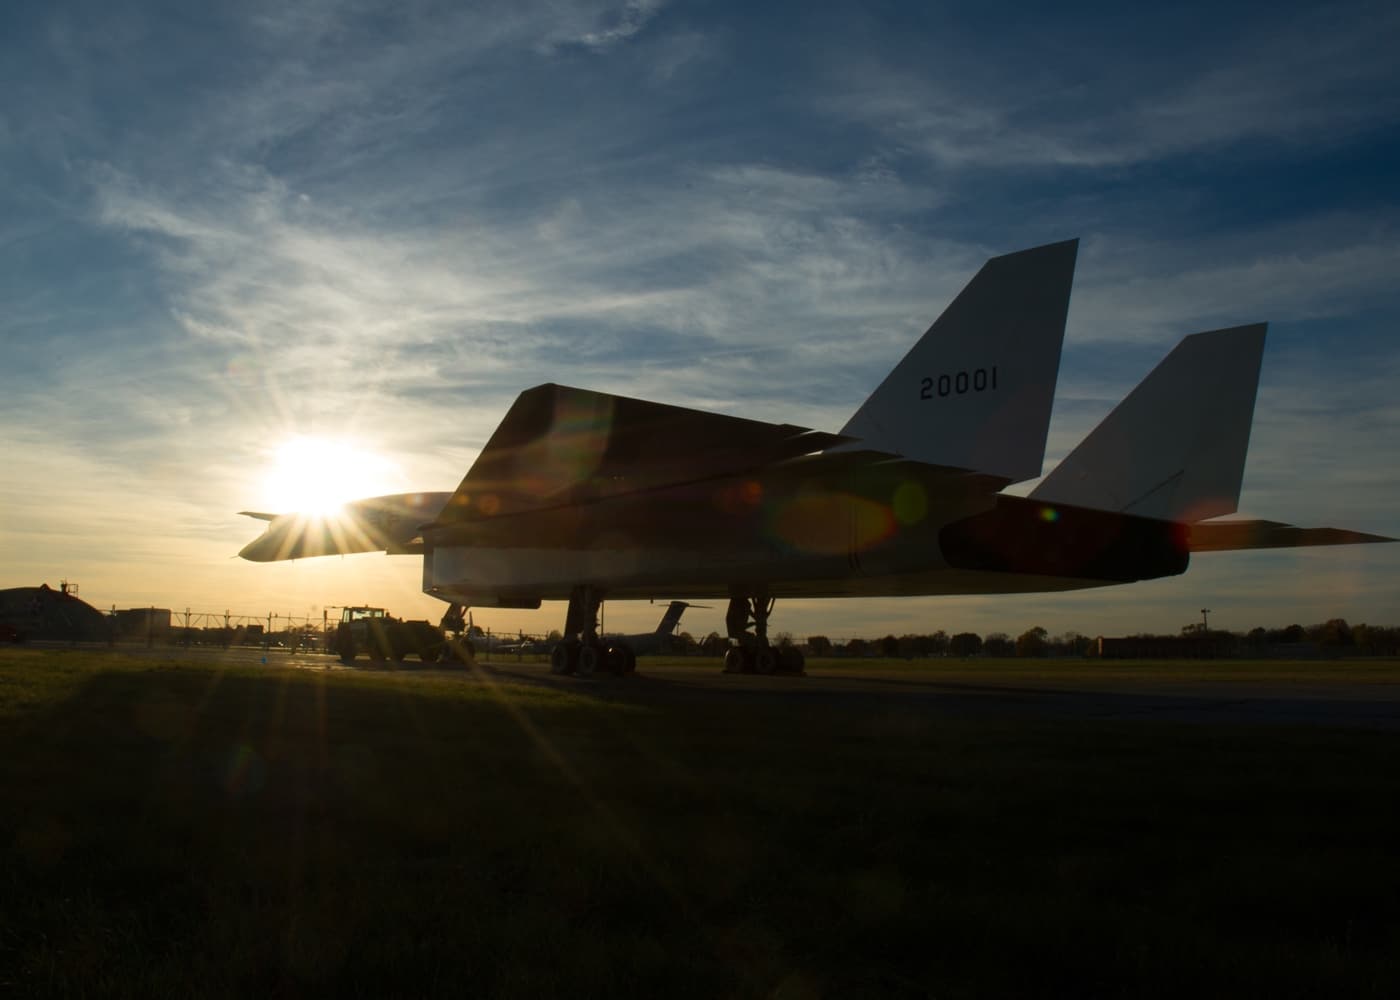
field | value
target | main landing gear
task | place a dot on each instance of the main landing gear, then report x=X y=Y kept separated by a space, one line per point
x=456 y=647
x=583 y=652
x=750 y=652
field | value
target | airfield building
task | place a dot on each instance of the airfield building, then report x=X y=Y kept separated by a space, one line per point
x=44 y=613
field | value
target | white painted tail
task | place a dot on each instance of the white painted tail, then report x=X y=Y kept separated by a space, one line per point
x=1175 y=448
x=975 y=391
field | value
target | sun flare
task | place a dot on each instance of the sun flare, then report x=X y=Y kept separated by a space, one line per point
x=315 y=475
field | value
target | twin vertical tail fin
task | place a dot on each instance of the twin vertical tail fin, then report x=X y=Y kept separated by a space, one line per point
x=975 y=392
x=1174 y=449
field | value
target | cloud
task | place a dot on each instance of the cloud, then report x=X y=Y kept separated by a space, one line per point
x=384 y=222
x=261 y=270
x=795 y=277
x=1301 y=77
x=1302 y=272
x=599 y=27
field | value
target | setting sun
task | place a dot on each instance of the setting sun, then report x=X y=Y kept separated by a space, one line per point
x=312 y=475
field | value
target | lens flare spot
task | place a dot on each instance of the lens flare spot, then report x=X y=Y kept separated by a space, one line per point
x=242 y=371
x=566 y=453
x=910 y=503
x=1049 y=515
x=244 y=774
x=872 y=523
x=42 y=841
x=814 y=524
x=832 y=524
x=740 y=498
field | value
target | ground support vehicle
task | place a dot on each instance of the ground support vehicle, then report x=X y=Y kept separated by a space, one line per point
x=382 y=637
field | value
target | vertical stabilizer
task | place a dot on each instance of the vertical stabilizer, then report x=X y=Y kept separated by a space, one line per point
x=672 y=618
x=1175 y=448
x=975 y=391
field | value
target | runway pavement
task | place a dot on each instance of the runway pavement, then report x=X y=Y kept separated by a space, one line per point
x=1316 y=701
x=1369 y=706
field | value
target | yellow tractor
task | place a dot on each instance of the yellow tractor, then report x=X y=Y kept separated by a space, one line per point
x=375 y=632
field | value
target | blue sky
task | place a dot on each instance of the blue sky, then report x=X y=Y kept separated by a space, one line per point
x=224 y=229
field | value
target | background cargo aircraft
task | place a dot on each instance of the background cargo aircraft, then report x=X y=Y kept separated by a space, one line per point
x=659 y=639
x=582 y=495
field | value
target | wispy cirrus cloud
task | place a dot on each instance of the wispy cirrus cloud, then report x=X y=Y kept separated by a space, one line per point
x=1305 y=78
x=602 y=26
x=1321 y=268
x=383 y=221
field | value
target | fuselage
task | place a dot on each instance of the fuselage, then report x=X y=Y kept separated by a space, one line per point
x=820 y=526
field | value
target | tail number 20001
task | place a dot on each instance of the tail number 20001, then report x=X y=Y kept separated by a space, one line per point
x=958 y=383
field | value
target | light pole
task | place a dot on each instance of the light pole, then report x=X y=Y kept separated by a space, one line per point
x=1205 y=623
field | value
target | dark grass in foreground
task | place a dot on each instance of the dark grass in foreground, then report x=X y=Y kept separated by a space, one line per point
x=180 y=829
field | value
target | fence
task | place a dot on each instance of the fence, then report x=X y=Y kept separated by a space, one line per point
x=162 y=627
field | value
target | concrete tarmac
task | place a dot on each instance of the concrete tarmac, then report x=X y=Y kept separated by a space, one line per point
x=1316 y=701
x=1226 y=702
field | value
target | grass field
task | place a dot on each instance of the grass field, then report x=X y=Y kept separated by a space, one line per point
x=182 y=828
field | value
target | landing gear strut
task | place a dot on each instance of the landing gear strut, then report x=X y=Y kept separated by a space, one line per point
x=750 y=652
x=583 y=652
x=456 y=648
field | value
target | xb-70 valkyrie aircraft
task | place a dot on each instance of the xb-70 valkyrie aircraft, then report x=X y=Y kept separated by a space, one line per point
x=582 y=495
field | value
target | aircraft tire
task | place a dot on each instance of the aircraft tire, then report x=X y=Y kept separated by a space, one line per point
x=791 y=660
x=621 y=660
x=343 y=644
x=765 y=660
x=561 y=659
x=589 y=657
x=735 y=662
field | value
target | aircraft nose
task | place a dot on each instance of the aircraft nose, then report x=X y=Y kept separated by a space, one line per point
x=272 y=545
x=260 y=549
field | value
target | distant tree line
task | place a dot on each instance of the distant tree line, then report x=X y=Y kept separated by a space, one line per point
x=1335 y=636
x=1332 y=637
x=1035 y=641
x=1365 y=640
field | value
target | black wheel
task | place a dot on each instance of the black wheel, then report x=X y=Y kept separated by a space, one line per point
x=791 y=660
x=765 y=660
x=621 y=660
x=344 y=644
x=590 y=657
x=734 y=661
x=430 y=654
x=562 y=658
